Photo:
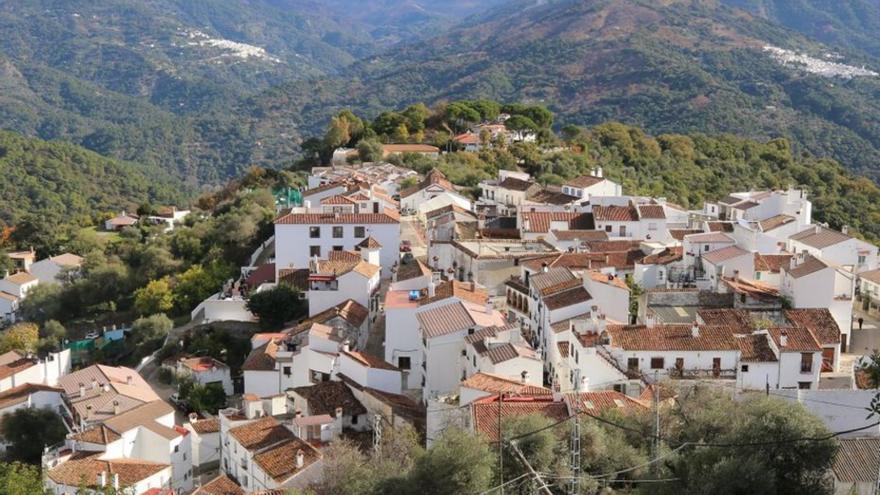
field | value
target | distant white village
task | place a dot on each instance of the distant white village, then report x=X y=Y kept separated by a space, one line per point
x=431 y=308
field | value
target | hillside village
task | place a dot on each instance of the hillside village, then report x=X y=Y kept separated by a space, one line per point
x=420 y=305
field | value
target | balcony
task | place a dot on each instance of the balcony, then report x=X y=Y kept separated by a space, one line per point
x=698 y=374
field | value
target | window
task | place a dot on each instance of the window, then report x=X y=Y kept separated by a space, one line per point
x=403 y=362
x=622 y=231
x=652 y=226
x=861 y=259
x=744 y=368
x=314 y=251
x=475 y=361
x=660 y=275
x=757 y=275
x=337 y=232
x=176 y=449
x=607 y=228
x=354 y=419
x=338 y=248
x=464 y=352
x=360 y=232
x=314 y=232
x=679 y=364
x=806 y=362
x=706 y=247
x=657 y=363
x=632 y=364
x=287 y=371
x=805 y=385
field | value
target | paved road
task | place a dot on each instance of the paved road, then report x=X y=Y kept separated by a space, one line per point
x=411 y=230
x=866 y=340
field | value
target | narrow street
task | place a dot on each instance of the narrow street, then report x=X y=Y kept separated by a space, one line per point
x=866 y=340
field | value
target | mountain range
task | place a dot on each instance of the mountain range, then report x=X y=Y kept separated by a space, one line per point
x=203 y=89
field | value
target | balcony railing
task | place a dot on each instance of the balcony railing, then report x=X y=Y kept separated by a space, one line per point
x=696 y=374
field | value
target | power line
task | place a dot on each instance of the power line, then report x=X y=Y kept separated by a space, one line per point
x=501 y=486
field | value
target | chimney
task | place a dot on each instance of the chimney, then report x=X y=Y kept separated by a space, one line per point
x=94 y=384
x=432 y=289
x=817 y=229
x=115 y=407
x=650 y=320
x=82 y=389
x=105 y=387
x=338 y=412
x=736 y=275
x=298 y=413
x=844 y=230
x=526 y=224
x=346 y=347
x=116 y=482
x=300 y=459
x=524 y=377
x=783 y=339
x=102 y=479
x=695 y=330
x=489 y=307
x=128 y=380
x=585 y=384
x=544 y=267
x=193 y=418
x=88 y=410
x=598 y=171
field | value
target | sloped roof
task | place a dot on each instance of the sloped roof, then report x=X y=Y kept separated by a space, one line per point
x=808 y=266
x=583 y=181
x=446 y=319
x=597 y=402
x=755 y=348
x=576 y=295
x=261 y=358
x=515 y=184
x=496 y=384
x=820 y=237
x=672 y=338
x=85 y=466
x=616 y=213
x=20 y=393
x=857 y=460
x=325 y=397
x=486 y=412
x=221 y=485
x=540 y=221
x=652 y=212
x=775 y=221
x=337 y=219
x=370 y=361
x=771 y=262
x=349 y=310
x=799 y=339
x=818 y=320
x=724 y=254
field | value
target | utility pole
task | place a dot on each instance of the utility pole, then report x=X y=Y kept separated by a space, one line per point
x=500 y=444
x=655 y=443
x=377 y=433
x=542 y=487
x=575 y=460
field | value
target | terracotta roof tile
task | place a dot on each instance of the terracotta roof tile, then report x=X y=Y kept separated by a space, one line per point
x=515 y=184
x=678 y=234
x=725 y=254
x=775 y=221
x=710 y=237
x=771 y=262
x=580 y=235
x=496 y=384
x=204 y=426
x=819 y=321
x=820 y=237
x=577 y=295
x=720 y=226
x=279 y=461
x=87 y=466
x=260 y=433
x=262 y=358
x=857 y=460
x=446 y=319
x=652 y=212
x=583 y=181
x=616 y=213
x=325 y=397
x=755 y=348
x=672 y=338
x=597 y=402
x=540 y=221
x=370 y=361
x=466 y=291
x=100 y=435
x=799 y=339
x=341 y=218
x=808 y=266
x=485 y=412
x=221 y=485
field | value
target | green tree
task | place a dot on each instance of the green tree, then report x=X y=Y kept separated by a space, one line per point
x=28 y=431
x=21 y=479
x=370 y=150
x=43 y=302
x=54 y=331
x=21 y=337
x=771 y=464
x=206 y=398
x=197 y=284
x=457 y=462
x=150 y=328
x=871 y=367
x=6 y=263
x=276 y=306
x=156 y=297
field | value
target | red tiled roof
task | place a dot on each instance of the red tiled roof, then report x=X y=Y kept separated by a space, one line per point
x=820 y=237
x=615 y=214
x=724 y=254
x=577 y=295
x=799 y=339
x=771 y=262
x=672 y=338
x=495 y=384
x=818 y=320
x=808 y=266
x=370 y=361
x=720 y=226
x=652 y=212
x=678 y=234
x=331 y=218
x=221 y=485
x=583 y=181
x=595 y=403
x=540 y=221
x=486 y=412
x=755 y=348
x=776 y=221
x=325 y=397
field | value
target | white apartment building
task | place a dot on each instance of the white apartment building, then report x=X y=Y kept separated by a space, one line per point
x=587 y=186
x=304 y=234
x=345 y=275
x=835 y=247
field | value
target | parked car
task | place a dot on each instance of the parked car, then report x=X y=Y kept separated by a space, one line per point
x=92 y=335
x=405 y=246
x=177 y=402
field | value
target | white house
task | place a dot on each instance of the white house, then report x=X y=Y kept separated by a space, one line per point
x=810 y=282
x=502 y=351
x=48 y=270
x=856 y=465
x=839 y=248
x=302 y=235
x=206 y=371
x=586 y=186
x=443 y=329
x=644 y=221
x=403 y=340
x=120 y=222
x=369 y=371
x=18 y=284
x=205 y=443
x=730 y=261
x=263 y=454
x=135 y=476
x=9 y=305
x=433 y=185
x=344 y=275
x=334 y=399
x=17 y=369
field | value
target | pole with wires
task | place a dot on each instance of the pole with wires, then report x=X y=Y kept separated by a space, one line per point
x=575 y=445
x=542 y=486
x=500 y=444
x=655 y=440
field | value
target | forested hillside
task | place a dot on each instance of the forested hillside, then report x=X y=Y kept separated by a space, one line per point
x=53 y=186
x=682 y=66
